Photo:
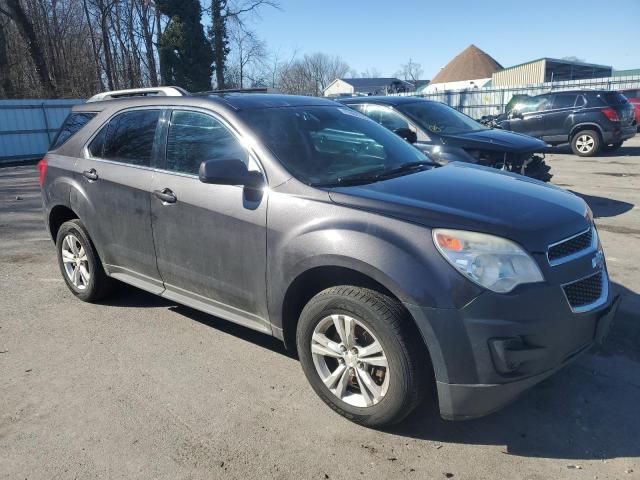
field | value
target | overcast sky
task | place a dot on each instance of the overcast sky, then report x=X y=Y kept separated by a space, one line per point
x=385 y=34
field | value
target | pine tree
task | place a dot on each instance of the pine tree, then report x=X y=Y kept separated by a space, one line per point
x=185 y=54
x=219 y=38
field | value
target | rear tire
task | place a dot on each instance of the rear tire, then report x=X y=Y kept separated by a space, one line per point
x=337 y=364
x=586 y=143
x=79 y=263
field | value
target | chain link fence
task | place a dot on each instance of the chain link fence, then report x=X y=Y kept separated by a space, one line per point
x=492 y=101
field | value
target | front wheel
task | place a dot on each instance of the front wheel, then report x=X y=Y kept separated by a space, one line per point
x=359 y=353
x=536 y=168
x=586 y=143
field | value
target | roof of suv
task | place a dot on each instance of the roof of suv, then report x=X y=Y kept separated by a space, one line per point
x=234 y=101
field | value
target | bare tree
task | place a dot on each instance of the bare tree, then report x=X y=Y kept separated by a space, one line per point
x=371 y=73
x=222 y=12
x=312 y=74
x=410 y=71
x=247 y=55
x=15 y=11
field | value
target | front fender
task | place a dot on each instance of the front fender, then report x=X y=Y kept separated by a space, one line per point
x=305 y=234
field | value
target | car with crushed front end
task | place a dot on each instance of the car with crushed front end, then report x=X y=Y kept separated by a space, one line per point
x=447 y=135
x=301 y=218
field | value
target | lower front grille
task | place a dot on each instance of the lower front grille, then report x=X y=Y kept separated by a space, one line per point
x=587 y=293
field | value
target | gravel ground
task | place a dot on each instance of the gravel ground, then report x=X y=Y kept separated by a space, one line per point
x=139 y=387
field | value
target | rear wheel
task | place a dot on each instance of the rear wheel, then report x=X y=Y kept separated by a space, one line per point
x=611 y=147
x=358 y=353
x=79 y=263
x=586 y=143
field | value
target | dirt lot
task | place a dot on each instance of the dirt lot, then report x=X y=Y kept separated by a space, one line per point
x=142 y=388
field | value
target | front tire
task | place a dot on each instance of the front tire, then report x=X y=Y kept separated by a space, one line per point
x=537 y=168
x=360 y=354
x=586 y=143
x=79 y=263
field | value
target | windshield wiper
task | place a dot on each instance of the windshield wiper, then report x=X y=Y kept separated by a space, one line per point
x=348 y=180
x=362 y=179
x=407 y=167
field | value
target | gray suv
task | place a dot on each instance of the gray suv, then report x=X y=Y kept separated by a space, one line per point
x=301 y=218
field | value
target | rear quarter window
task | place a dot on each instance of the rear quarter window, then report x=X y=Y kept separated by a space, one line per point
x=613 y=98
x=72 y=124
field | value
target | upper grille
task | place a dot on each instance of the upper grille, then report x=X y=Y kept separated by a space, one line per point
x=585 y=292
x=570 y=246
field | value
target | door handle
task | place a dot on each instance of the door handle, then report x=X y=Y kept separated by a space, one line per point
x=90 y=174
x=166 y=195
x=537 y=117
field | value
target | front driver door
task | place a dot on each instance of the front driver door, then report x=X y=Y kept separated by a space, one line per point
x=210 y=239
x=528 y=116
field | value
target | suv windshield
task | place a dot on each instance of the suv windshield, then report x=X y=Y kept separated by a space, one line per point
x=439 y=118
x=324 y=145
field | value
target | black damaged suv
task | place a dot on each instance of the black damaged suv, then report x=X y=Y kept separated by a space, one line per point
x=589 y=120
x=304 y=219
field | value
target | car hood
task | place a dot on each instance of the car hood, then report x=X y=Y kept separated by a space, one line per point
x=471 y=197
x=496 y=140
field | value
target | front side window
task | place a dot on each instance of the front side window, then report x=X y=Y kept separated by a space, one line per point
x=437 y=117
x=127 y=138
x=531 y=104
x=195 y=137
x=386 y=117
x=73 y=123
x=326 y=144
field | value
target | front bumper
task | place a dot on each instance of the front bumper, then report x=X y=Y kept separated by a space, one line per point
x=474 y=377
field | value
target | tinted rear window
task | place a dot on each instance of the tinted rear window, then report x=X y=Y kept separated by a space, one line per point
x=72 y=124
x=613 y=98
x=127 y=138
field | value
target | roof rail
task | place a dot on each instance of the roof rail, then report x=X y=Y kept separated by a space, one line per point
x=139 y=92
x=235 y=90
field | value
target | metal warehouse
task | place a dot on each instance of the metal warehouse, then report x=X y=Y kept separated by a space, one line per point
x=548 y=70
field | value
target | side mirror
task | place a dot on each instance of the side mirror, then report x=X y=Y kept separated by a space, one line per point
x=406 y=133
x=515 y=114
x=230 y=172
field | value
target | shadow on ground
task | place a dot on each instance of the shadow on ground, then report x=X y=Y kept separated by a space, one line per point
x=604 y=207
x=580 y=413
x=624 y=151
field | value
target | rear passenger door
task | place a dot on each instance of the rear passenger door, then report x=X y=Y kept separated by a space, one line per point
x=114 y=179
x=556 y=125
x=210 y=239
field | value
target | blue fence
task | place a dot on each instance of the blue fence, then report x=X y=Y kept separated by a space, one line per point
x=28 y=126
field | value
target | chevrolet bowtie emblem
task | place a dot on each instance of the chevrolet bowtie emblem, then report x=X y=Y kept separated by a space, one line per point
x=598 y=260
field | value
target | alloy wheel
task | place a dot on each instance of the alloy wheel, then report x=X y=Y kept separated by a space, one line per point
x=75 y=261
x=350 y=360
x=585 y=143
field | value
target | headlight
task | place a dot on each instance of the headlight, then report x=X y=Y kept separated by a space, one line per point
x=492 y=262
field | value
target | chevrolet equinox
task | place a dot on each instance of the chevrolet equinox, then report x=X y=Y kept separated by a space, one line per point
x=302 y=218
